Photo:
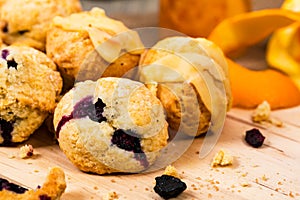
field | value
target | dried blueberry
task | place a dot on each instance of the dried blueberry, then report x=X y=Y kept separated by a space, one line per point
x=169 y=186
x=61 y=123
x=12 y=63
x=84 y=108
x=44 y=197
x=23 y=31
x=4 y=53
x=129 y=141
x=126 y=140
x=254 y=138
x=99 y=107
x=5 y=185
x=5 y=29
x=5 y=131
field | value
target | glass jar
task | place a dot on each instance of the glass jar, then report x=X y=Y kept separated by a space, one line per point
x=197 y=18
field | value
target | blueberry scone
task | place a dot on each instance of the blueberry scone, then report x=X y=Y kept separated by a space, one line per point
x=90 y=45
x=29 y=88
x=190 y=77
x=27 y=22
x=52 y=189
x=112 y=125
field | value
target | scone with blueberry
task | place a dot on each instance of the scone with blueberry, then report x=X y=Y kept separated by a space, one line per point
x=27 y=22
x=112 y=125
x=29 y=88
x=90 y=45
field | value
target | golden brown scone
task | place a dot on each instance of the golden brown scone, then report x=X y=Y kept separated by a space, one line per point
x=112 y=125
x=27 y=22
x=190 y=78
x=90 y=45
x=52 y=189
x=29 y=87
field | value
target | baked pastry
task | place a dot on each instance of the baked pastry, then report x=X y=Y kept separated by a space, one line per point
x=27 y=22
x=52 y=189
x=190 y=78
x=29 y=87
x=112 y=125
x=90 y=45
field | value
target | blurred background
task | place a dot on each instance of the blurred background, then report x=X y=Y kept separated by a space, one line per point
x=141 y=13
x=145 y=13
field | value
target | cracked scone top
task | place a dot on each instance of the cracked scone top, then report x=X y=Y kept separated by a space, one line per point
x=29 y=87
x=90 y=45
x=27 y=22
x=190 y=77
x=112 y=125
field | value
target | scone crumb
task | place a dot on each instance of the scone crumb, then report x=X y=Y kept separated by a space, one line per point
x=264 y=178
x=222 y=158
x=291 y=194
x=171 y=171
x=11 y=156
x=263 y=114
x=26 y=151
x=245 y=184
x=111 y=196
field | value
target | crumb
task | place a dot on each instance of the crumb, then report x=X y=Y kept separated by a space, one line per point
x=198 y=178
x=111 y=196
x=216 y=188
x=276 y=122
x=171 y=171
x=222 y=158
x=256 y=180
x=95 y=188
x=36 y=171
x=264 y=178
x=245 y=174
x=147 y=189
x=245 y=184
x=26 y=151
x=239 y=190
x=113 y=180
x=209 y=195
x=11 y=156
x=279 y=183
x=263 y=114
x=291 y=195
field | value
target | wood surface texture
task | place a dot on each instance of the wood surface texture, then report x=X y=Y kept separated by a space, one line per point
x=269 y=172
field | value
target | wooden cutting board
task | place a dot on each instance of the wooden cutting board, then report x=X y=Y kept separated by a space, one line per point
x=269 y=172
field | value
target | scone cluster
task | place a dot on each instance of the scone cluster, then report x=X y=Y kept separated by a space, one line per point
x=113 y=101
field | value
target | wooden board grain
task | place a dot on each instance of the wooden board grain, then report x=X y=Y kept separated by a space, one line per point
x=271 y=172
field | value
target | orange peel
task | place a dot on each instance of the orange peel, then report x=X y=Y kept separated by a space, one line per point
x=250 y=88
x=246 y=29
x=283 y=51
